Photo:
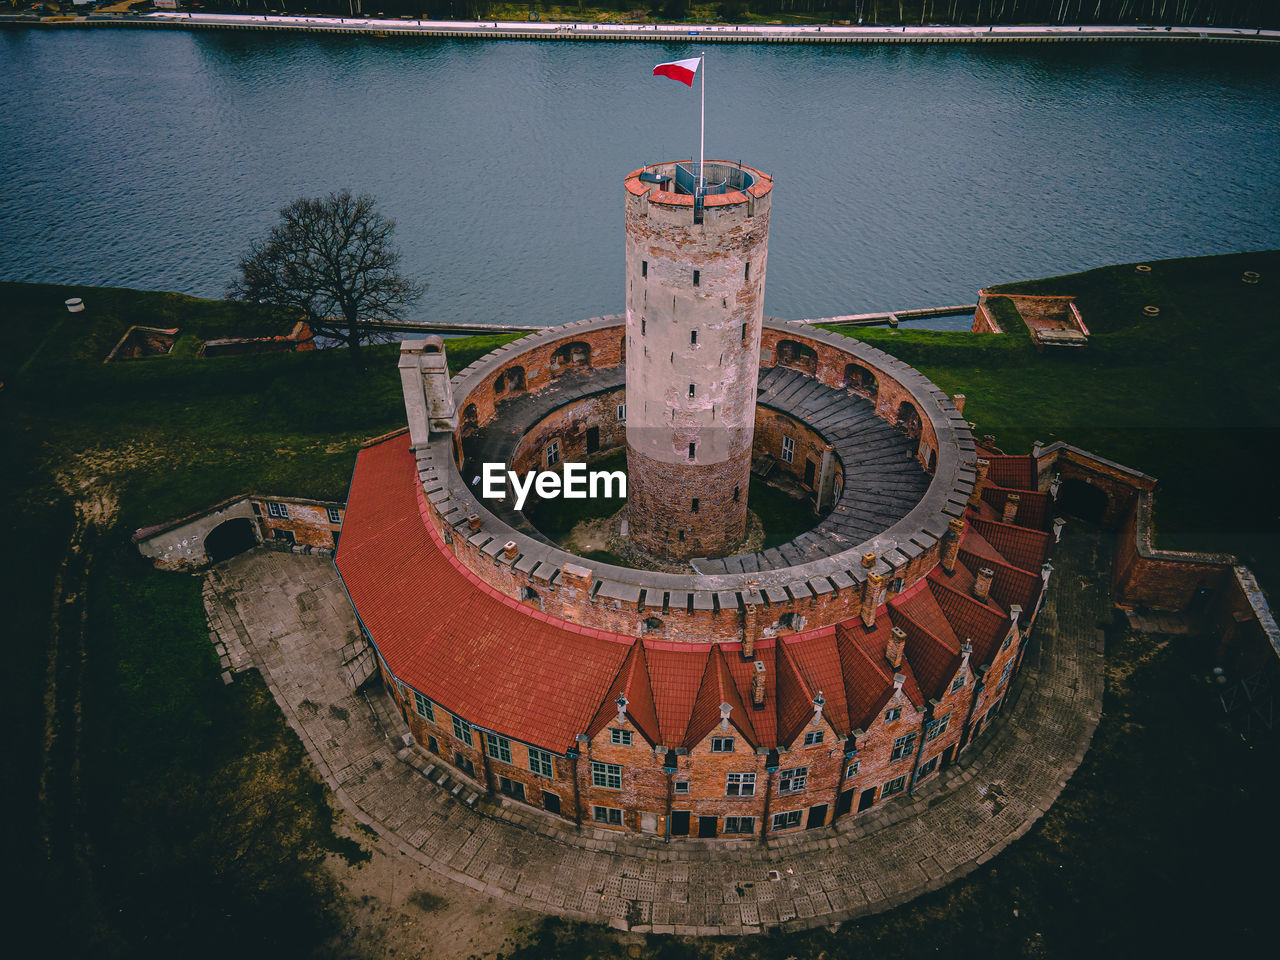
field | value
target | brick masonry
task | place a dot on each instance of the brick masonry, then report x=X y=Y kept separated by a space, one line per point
x=957 y=820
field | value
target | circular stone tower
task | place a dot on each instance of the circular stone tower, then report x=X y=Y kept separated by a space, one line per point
x=695 y=301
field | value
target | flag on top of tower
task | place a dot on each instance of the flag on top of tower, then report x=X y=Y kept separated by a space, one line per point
x=682 y=70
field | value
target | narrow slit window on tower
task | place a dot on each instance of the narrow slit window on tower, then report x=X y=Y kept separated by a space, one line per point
x=642 y=326
x=691 y=390
x=735 y=494
x=682 y=536
x=695 y=505
x=692 y=450
x=744 y=333
x=693 y=337
x=644 y=268
x=747 y=272
x=697 y=278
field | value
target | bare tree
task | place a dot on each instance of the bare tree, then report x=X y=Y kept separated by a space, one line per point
x=332 y=258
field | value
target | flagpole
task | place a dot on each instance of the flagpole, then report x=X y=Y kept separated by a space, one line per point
x=702 y=130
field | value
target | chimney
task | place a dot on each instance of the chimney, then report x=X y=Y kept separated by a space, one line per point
x=958 y=400
x=576 y=578
x=510 y=550
x=1015 y=611
x=951 y=544
x=966 y=648
x=1046 y=570
x=872 y=597
x=818 y=703
x=898 y=680
x=757 y=685
x=750 y=627
x=1055 y=485
x=982 y=584
x=622 y=708
x=725 y=710
x=1058 y=524
x=473 y=522
x=428 y=394
x=894 y=646
x=979 y=481
x=989 y=441
x=1011 y=508
x=868 y=560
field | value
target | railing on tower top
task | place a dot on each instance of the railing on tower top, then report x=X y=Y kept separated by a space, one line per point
x=720 y=178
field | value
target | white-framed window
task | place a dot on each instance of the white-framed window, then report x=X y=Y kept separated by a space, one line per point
x=610 y=815
x=335 y=515
x=926 y=768
x=788 y=449
x=782 y=821
x=278 y=510
x=812 y=738
x=622 y=413
x=902 y=746
x=553 y=453
x=512 y=788
x=957 y=683
x=939 y=728
x=540 y=762
x=462 y=730
x=1004 y=674
x=620 y=737
x=852 y=769
x=423 y=706
x=682 y=786
x=892 y=714
x=499 y=747
x=794 y=780
x=739 y=825
x=722 y=744
x=896 y=785
x=740 y=785
x=607 y=775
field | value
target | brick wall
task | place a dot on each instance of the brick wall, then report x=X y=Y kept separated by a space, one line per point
x=569 y=425
x=301 y=523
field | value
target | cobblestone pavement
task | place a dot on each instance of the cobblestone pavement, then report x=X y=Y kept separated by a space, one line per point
x=289 y=616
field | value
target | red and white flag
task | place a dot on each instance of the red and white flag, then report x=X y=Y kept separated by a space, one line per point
x=682 y=70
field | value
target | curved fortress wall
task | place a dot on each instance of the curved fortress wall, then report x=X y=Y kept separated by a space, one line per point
x=694 y=307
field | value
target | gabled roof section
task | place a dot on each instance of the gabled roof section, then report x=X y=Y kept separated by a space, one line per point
x=675 y=670
x=975 y=621
x=1009 y=585
x=633 y=682
x=1017 y=473
x=795 y=699
x=818 y=661
x=1034 y=509
x=1020 y=547
x=933 y=659
x=764 y=720
x=921 y=607
x=717 y=687
x=868 y=684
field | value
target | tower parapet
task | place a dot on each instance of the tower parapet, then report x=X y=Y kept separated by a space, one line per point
x=695 y=276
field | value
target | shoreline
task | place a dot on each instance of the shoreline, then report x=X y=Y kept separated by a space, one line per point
x=665 y=33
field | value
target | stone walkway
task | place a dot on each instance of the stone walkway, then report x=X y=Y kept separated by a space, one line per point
x=290 y=616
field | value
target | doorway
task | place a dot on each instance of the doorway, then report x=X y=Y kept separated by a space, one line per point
x=707 y=827
x=817 y=817
x=867 y=800
x=680 y=823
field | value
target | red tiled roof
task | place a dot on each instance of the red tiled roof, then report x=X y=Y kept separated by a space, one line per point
x=795 y=699
x=764 y=721
x=1009 y=584
x=818 y=661
x=1020 y=547
x=920 y=607
x=675 y=671
x=442 y=630
x=933 y=659
x=868 y=684
x=973 y=620
x=1034 y=509
x=1018 y=473
x=717 y=688
x=633 y=681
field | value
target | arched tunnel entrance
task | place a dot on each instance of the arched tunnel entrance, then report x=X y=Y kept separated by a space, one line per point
x=1080 y=499
x=229 y=538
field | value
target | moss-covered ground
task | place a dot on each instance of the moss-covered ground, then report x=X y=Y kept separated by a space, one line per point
x=153 y=811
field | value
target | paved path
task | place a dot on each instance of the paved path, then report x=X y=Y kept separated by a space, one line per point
x=289 y=616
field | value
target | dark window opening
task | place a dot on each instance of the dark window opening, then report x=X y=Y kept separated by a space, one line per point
x=693 y=336
x=593 y=439
x=691 y=390
x=695 y=504
x=744 y=333
x=697 y=278
x=747 y=273
x=644 y=268
x=692 y=450
x=681 y=537
x=735 y=494
x=642 y=326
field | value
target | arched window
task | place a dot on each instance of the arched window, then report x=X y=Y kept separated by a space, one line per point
x=798 y=356
x=860 y=381
x=470 y=418
x=576 y=354
x=909 y=419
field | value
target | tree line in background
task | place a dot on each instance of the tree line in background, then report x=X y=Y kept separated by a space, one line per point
x=1215 y=13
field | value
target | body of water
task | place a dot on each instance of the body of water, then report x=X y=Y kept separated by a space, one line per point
x=906 y=176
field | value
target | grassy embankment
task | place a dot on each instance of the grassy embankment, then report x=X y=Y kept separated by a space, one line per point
x=153 y=811
x=1189 y=397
